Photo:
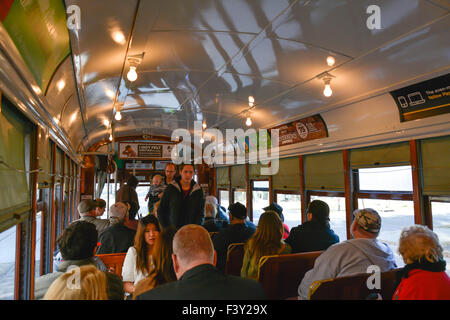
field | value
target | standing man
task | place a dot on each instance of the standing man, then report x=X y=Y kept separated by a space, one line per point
x=183 y=200
x=170 y=171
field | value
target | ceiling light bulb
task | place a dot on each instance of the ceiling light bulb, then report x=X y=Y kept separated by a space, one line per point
x=106 y=122
x=251 y=99
x=204 y=125
x=110 y=137
x=118 y=116
x=202 y=140
x=331 y=61
x=60 y=85
x=327 y=92
x=132 y=74
x=248 y=122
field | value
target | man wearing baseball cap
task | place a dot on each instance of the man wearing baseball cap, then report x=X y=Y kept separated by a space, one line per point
x=353 y=256
x=87 y=211
x=117 y=238
x=236 y=232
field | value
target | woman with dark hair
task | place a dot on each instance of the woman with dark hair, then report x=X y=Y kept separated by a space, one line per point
x=162 y=257
x=267 y=240
x=138 y=262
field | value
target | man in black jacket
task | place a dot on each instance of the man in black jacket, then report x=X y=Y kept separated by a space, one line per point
x=193 y=262
x=183 y=201
x=315 y=234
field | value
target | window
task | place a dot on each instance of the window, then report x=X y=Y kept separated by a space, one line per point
x=240 y=196
x=7 y=263
x=143 y=206
x=386 y=178
x=224 y=198
x=337 y=214
x=112 y=198
x=291 y=205
x=260 y=198
x=37 y=252
x=441 y=226
x=395 y=215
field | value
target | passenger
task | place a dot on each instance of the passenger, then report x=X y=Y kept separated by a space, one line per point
x=193 y=261
x=117 y=238
x=138 y=261
x=162 y=257
x=221 y=211
x=170 y=171
x=183 y=201
x=236 y=232
x=315 y=234
x=91 y=286
x=88 y=212
x=101 y=206
x=127 y=193
x=78 y=244
x=267 y=240
x=279 y=210
x=424 y=276
x=212 y=223
x=352 y=256
x=155 y=192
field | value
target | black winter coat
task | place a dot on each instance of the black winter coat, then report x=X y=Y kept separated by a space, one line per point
x=175 y=211
x=311 y=236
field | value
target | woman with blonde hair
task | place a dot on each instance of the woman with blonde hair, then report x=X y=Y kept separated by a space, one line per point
x=424 y=276
x=267 y=240
x=139 y=261
x=162 y=257
x=79 y=283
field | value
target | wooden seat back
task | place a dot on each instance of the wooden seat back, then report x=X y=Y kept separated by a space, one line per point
x=235 y=255
x=280 y=275
x=353 y=287
x=113 y=262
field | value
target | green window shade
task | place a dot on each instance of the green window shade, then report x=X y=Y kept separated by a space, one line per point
x=222 y=178
x=66 y=174
x=436 y=166
x=14 y=189
x=58 y=166
x=44 y=155
x=288 y=175
x=386 y=155
x=238 y=180
x=324 y=171
x=254 y=171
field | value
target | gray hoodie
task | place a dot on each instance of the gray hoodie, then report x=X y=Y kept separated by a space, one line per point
x=348 y=258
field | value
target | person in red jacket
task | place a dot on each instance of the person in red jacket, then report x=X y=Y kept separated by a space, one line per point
x=424 y=276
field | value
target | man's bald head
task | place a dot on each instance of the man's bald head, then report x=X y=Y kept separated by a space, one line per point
x=193 y=246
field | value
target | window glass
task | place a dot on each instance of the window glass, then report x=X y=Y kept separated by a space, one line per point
x=386 y=178
x=291 y=208
x=395 y=215
x=37 y=252
x=261 y=184
x=141 y=192
x=260 y=200
x=441 y=226
x=7 y=263
x=224 y=198
x=337 y=214
x=240 y=196
x=112 y=197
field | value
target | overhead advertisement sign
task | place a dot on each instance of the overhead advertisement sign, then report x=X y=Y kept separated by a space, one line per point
x=128 y=150
x=425 y=99
x=302 y=130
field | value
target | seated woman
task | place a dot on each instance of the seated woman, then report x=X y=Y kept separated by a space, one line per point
x=267 y=240
x=162 y=257
x=139 y=262
x=91 y=285
x=424 y=276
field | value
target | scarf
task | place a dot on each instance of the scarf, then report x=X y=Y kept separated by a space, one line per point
x=437 y=266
